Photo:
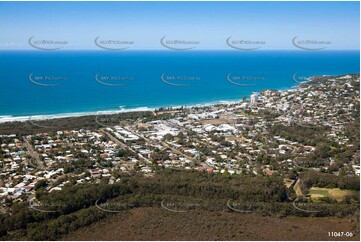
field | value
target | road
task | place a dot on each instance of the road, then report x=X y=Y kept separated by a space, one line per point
x=33 y=154
x=297 y=188
x=124 y=146
x=164 y=144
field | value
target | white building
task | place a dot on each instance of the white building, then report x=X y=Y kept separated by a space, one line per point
x=254 y=98
x=356 y=169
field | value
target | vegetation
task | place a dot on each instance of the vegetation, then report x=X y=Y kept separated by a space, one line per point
x=74 y=206
x=83 y=122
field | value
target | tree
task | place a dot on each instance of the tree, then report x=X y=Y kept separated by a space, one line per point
x=41 y=184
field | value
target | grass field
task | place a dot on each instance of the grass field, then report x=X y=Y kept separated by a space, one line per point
x=287 y=182
x=221 y=120
x=212 y=121
x=335 y=193
x=240 y=112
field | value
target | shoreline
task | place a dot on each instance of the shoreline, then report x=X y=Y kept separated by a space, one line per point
x=10 y=118
x=43 y=117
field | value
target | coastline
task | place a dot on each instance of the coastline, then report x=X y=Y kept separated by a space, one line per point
x=10 y=118
x=82 y=96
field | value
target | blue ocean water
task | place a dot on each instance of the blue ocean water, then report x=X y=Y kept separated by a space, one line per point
x=57 y=82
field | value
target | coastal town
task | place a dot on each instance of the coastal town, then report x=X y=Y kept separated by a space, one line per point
x=273 y=133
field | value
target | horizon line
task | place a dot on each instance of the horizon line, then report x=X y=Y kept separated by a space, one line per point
x=193 y=50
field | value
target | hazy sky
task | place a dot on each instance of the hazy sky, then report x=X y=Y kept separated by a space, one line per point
x=209 y=23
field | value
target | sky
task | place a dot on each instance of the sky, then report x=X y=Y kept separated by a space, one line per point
x=209 y=24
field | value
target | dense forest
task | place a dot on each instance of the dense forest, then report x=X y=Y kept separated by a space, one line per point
x=61 y=212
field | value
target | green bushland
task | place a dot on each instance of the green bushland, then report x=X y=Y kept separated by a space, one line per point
x=266 y=196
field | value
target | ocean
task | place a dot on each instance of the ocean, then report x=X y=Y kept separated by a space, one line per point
x=65 y=83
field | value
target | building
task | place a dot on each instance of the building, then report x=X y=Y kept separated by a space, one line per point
x=254 y=98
